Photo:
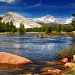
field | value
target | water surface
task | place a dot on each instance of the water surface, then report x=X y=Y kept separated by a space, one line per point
x=34 y=48
x=38 y=50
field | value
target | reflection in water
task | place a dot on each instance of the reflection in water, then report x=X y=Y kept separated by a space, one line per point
x=34 y=48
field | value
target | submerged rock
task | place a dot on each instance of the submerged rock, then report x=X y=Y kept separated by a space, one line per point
x=46 y=68
x=52 y=72
x=8 y=58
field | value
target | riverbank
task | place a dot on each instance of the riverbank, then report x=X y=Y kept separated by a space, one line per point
x=52 y=34
x=44 y=34
x=33 y=68
x=60 y=67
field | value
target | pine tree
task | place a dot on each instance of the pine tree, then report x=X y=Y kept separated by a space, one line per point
x=21 y=29
x=0 y=26
x=73 y=14
x=1 y=18
x=3 y=27
x=7 y=27
x=12 y=27
x=73 y=21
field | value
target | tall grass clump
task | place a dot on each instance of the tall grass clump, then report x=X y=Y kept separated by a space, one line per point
x=66 y=53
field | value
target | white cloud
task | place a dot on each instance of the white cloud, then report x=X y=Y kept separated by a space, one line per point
x=8 y=1
x=36 y=5
x=65 y=20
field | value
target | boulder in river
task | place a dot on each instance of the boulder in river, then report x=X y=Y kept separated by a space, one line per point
x=12 y=59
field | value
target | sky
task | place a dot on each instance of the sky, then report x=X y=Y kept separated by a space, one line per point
x=38 y=8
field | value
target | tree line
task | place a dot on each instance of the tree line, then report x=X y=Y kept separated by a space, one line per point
x=9 y=27
x=58 y=27
x=51 y=28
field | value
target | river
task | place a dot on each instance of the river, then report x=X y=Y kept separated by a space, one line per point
x=33 y=48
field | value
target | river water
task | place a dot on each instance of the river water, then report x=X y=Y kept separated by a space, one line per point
x=35 y=49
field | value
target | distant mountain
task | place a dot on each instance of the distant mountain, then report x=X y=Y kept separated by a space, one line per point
x=52 y=20
x=17 y=19
x=68 y=21
x=47 y=20
x=32 y=23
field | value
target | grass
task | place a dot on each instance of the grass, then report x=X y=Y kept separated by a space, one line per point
x=72 y=71
x=67 y=53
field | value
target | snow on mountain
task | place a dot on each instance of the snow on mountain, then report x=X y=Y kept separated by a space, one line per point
x=32 y=23
x=17 y=19
x=47 y=19
x=68 y=21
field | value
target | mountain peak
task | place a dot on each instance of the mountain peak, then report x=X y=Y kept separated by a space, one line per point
x=47 y=19
x=10 y=13
x=47 y=16
x=31 y=23
x=17 y=19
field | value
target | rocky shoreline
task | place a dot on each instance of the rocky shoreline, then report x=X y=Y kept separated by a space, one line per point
x=10 y=61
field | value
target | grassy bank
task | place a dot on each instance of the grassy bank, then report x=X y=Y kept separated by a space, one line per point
x=44 y=34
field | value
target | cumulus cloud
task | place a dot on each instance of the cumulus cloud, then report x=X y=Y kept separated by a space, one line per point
x=8 y=1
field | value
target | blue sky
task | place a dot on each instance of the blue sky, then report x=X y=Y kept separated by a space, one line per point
x=39 y=8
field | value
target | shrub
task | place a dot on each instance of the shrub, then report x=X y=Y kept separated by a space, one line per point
x=67 y=53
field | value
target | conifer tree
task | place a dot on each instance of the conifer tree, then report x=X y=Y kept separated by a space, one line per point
x=21 y=29
x=73 y=21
